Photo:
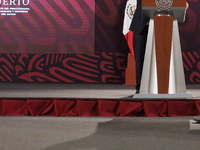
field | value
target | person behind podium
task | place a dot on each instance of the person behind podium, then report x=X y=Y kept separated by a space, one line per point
x=139 y=26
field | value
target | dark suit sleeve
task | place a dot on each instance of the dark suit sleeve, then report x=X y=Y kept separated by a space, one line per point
x=138 y=22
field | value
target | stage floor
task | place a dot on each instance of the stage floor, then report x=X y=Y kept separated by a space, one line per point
x=97 y=133
x=83 y=91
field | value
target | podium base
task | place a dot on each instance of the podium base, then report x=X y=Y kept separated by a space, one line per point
x=163 y=96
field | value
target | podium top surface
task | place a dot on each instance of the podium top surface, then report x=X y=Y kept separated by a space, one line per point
x=177 y=9
x=152 y=3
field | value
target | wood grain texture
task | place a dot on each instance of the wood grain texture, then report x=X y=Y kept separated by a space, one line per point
x=151 y=3
x=163 y=39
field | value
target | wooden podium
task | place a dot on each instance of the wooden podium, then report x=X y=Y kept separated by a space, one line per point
x=163 y=74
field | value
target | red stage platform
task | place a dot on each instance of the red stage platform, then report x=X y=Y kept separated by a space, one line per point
x=89 y=100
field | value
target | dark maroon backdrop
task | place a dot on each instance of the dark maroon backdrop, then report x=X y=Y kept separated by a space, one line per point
x=190 y=41
x=47 y=27
x=108 y=63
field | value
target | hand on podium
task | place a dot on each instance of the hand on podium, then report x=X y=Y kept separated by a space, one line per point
x=187 y=5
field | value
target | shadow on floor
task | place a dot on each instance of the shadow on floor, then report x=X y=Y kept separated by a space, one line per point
x=137 y=134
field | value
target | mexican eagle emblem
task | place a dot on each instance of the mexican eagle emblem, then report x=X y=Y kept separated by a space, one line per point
x=164 y=4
